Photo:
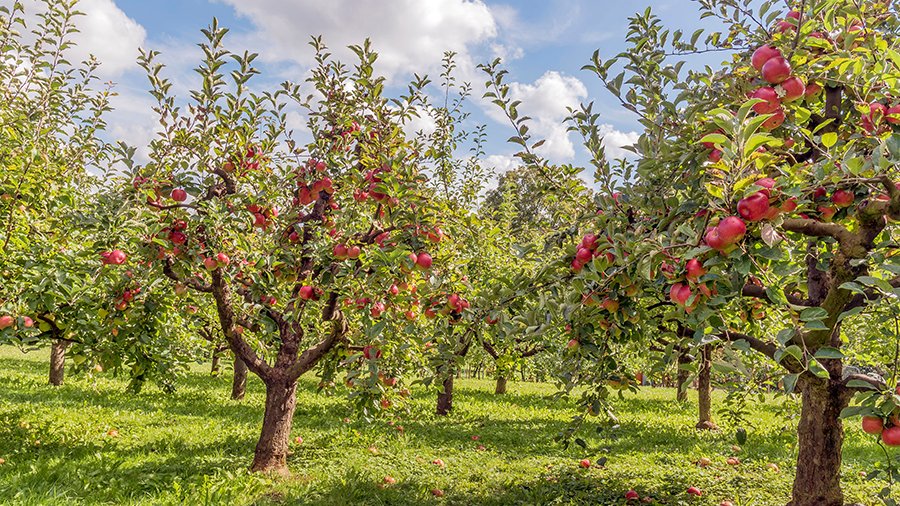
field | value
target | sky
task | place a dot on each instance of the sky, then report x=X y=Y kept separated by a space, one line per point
x=543 y=45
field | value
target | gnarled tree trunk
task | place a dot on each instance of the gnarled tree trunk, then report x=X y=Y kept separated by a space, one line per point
x=239 y=382
x=58 y=362
x=704 y=390
x=681 y=378
x=274 y=440
x=501 y=385
x=445 y=398
x=820 y=437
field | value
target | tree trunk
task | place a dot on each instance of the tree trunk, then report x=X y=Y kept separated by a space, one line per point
x=820 y=436
x=239 y=383
x=501 y=385
x=214 y=369
x=58 y=362
x=704 y=390
x=445 y=398
x=274 y=440
x=681 y=378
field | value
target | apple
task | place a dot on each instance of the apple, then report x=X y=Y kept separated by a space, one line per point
x=766 y=184
x=223 y=259
x=715 y=155
x=713 y=239
x=585 y=463
x=731 y=230
x=307 y=292
x=788 y=205
x=726 y=503
x=893 y=115
x=340 y=251
x=772 y=102
x=694 y=491
x=771 y=466
x=813 y=90
x=377 y=310
x=891 y=436
x=762 y=55
x=793 y=89
x=423 y=261
x=631 y=495
x=371 y=353
x=573 y=343
x=27 y=322
x=680 y=293
x=437 y=492
x=704 y=462
x=583 y=255
x=178 y=195
x=842 y=198
x=776 y=70
x=754 y=207
x=389 y=480
x=114 y=257
x=827 y=212
x=298 y=440
x=438 y=462
x=177 y=237
x=6 y=321
x=775 y=121
x=112 y=433
x=353 y=252
x=385 y=403
x=210 y=263
x=733 y=461
x=610 y=305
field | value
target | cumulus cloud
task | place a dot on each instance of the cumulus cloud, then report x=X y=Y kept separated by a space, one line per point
x=409 y=35
x=614 y=141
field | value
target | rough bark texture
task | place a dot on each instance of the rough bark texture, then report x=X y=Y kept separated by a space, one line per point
x=239 y=382
x=501 y=385
x=274 y=440
x=681 y=378
x=820 y=436
x=704 y=391
x=58 y=362
x=445 y=398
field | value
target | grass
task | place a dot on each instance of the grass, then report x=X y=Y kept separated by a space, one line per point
x=194 y=447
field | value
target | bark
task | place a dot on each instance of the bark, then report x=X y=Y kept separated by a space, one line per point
x=681 y=378
x=704 y=390
x=58 y=362
x=501 y=385
x=239 y=382
x=274 y=440
x=445 y=398
x=820 y=436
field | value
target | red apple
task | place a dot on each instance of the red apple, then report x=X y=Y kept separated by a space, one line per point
x=371 y=352
x=223 y=259
x=776 y=70
x=585 y=463
x=307 y=292
x=353 y=252
x=842 y=198
x=872 y=425
x=893 y=115
x=731 y=230
x=775 y=121
x=754 y=207
x=891 y=436
x=114 y=257
x=793 y=89
x=680 y=293
x=583 y=255
x=423 y=261
x=377 y=310
x=762 y=55
x=339 y=251
x=694 y=491
x=772 y=102
x=210 y=263
x=631 y=495
x=179 y=195
x=812 y=90
x=713 y=239
x=694 y=269
x=6 y=321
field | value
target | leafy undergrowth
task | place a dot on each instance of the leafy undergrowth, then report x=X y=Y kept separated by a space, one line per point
x=194 y=447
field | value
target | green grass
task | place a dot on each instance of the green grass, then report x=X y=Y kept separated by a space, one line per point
x=193 y=447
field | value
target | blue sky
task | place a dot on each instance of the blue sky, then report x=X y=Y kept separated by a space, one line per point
x=544 y=44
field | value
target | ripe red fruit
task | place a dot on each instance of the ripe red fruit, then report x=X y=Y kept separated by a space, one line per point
x=585 y=463
x=210 y=263
x=307 y=292
x=27 y=322
x=775 y=121
x=371 y=352
x=353 y=252
x=713 y=239
x=772 y=102
x=715 y=155
x=259 y=220
x=793 y=89
x=762 y=55
x=842 y=198
x=114 y=257
x=437 y=492
x=573 y=343
x=788 y=205
x=583 y=255
x=223 y=259
x=731 y=229
x=423 y=261
x=377 y=310
x=813 y=90
x=754 y=207
x=589 y=241
x=680 y=293
x=6 y=321
x=872 y=425
x=827 y=212
x=891 y=436
x=631 y=495
x=767 y=184
x=694 y=269
x=179 y=195
x=694 y=491
x=776 y=70
x=340 y=251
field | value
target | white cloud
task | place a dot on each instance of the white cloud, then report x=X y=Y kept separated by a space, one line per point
x=409 y=35
x=614 y=140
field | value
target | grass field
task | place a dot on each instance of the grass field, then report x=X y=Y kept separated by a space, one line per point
x=193 y=447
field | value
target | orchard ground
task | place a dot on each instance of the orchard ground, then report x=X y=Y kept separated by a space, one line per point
x=90 y=442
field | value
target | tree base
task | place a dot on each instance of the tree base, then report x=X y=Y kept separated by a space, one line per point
x=707 y=425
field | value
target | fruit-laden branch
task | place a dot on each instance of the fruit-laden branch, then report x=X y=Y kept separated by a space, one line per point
x=309 y=358
x=193 y=283
x=760 y=293
x=240 y=347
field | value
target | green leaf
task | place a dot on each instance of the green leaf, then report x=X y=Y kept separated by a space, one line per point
x=829 y=139
x=827 y=353
x=790 y=382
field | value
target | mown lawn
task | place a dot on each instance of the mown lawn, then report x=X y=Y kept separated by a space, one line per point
x=193 y=447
